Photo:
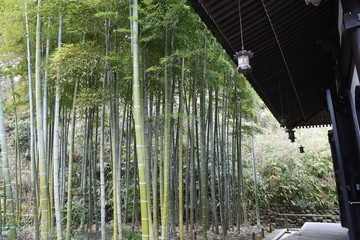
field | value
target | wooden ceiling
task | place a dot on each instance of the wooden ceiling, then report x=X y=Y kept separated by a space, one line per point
x=294 y=47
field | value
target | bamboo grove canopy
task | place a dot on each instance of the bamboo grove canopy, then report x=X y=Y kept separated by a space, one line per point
x=294 y=47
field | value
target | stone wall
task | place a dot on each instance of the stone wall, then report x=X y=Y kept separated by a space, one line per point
x=273 y=216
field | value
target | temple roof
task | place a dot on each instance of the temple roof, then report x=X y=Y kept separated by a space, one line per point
x=294 y=46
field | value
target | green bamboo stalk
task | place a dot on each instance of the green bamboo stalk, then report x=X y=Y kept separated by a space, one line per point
x=102 y=169
x=56 y=145
x=144 y=114
x=102 y=140
x=47 y=132
x=192 y=161
x=172 y=193
x=90 y=148
x=127 y=165
x=63 y=153
x=161 y=166
x=255 y=178
x=217 y=156
x=45 y=102
x=18 y=181
x=114 y=154
x=139 y=127
x=181 y=129
x=224 y=157
x=94 y=184
x=84 y=166
x=166 y=162
x=34 y=175
x=6 y=171
x=120 y=131
x=212 y=161
x=71 y=162
x=233 y=191
x=56 y=164
x=241 y=202
x=203 y=167
x=155 y=174
x=135 y=211
x=44 y=188
x=187 y=170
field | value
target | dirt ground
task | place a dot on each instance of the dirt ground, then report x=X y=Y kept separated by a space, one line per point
x=246 y=233
x=232 y=234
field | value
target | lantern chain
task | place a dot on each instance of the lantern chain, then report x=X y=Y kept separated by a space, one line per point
x=281 y=101
x=283 y=57
x=241 y=28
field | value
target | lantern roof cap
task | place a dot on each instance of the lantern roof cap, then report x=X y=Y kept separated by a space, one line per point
x=244 y=53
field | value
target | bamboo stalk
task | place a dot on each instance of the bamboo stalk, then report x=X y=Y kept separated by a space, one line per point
x=56 y=145
x=102 y=170
x=181 y=129
x=71 y=163
x=6 y=171
x=44 y=188
x=166 y=162
x=34 y=175
x=203 y=167
x=139 y=128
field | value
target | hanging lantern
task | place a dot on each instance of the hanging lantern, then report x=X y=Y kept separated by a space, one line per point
x=313 y=2
x=291 y=134
x=243 y=58
x=301 y=148
x=283 y=121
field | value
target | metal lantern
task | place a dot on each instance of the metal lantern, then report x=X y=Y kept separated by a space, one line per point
x=243 y=58
x=301 y=148
x=313 y=2
x=283 y=121
x=291 y=134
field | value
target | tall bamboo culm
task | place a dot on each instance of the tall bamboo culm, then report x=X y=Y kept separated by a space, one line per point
x=6 y=172
x=71 y=160
x=204 y=162
x=139 y=127
x=56 y=146
x=102 y=168
x=181 y=129
x=32 y=131
x=166 y=162
x=44 y=188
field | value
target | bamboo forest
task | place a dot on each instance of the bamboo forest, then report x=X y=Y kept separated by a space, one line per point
x=128 y=120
